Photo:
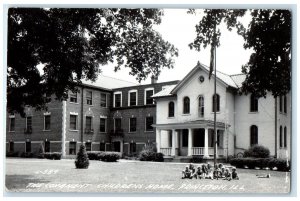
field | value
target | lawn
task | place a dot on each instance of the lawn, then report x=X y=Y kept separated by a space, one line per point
x=42 y=175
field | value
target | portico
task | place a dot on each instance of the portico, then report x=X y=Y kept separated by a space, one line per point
x=194 y=138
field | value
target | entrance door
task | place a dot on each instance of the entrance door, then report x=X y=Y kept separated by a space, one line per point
x=117 y=146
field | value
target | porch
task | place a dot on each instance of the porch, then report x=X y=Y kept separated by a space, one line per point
x=191 y=139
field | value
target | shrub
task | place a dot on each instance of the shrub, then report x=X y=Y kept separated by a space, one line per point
x=12 y=154
x=159 y=157
x=94 y=155
x=82 y=160
x=26 y=155
x=251 y=163
x=196 y=159
x=150 y=155
x=257 y=151
x=109 y=156
x=52 y=155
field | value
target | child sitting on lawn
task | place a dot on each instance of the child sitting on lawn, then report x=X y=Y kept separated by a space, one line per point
x=234 y=174
x=186 y=173
x=222 y=172
x=198 y=173
x=209 y=174
x=217 y=172
x=227 y=175
x=204 y=171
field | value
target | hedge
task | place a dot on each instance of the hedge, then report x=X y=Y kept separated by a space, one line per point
x=26 y=155
x=94 y=155
x=251 y=163
x=12 y=154
x=150 y=155
x=109 y=156
x=52 y=155
x=257 y=151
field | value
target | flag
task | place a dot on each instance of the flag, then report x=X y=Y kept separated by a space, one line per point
x=212 y=60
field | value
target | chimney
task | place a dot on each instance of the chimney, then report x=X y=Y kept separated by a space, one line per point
x=153 y=79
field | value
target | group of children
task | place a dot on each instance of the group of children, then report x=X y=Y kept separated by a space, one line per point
x=205 y=171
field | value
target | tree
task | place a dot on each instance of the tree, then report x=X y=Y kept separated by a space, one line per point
x=82 y=159
x=268 y=34
x=72 y=44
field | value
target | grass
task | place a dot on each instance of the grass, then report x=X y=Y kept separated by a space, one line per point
x=42 y=175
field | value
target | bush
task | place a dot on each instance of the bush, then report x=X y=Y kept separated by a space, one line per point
x=150 y=155
x=26 y=155
x=82 y=160
x=94 y=155
x=251 y=163
x=196 y=159
x=52 y=155
x=109 y=156
x=12 y=154
x=257 y=151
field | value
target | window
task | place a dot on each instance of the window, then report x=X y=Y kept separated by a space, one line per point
x=201 y=106
x=103 y=102
x=102 y=125
x=132 y=124
x=88 y=124
x=88 y=146
x=73 y=122
x=47 y=146
x=132 y=95
x=28 y=128
x=148 y=94
x=89 y=97
x=28 y=146
x=280 y=137
x=47 y=122
x=280 y=104
x=185 y=137
x=285 y=138
x=118 y=124
x=253 y=103
x=72 y=148
x=132 y=147
x=11 y=146
x=218 y=103
x=171 y=109
x=12 y=124
x=102 y=146
x=186 y=105
x=253 y=135
x=73 y=97
x=284 y=104
x=118 y=99
x=149 y=122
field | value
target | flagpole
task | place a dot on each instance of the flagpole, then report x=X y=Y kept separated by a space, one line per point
x=215 y=105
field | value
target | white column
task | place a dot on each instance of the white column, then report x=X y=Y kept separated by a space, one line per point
x=158 y=132
x=206 y=143
x=176 y=142
x=190 y=142
x=173 y=143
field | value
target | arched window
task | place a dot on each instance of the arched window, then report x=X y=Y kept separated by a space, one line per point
x=284 y=138
x=186 y=105
x=201 y=106
x=253 y=103
x=171 y=109
x=280 y=136
x=218 y=103
x=253 y=135
x=284 y=104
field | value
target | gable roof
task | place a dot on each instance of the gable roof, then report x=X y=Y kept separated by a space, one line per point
x=234 y=81
x=108 y=83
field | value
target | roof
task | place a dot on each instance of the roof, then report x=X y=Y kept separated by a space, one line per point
x=166 y=91
x=234 y=81
x=106 y=82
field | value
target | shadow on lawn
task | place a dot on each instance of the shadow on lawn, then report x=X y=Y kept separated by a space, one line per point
x=21 y=181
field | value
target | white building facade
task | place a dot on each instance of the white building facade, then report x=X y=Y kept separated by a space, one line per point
x=185 y=118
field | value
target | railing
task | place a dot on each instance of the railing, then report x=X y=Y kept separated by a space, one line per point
x=117 y=133
x=166 y=151
x=27 y=130
x=198 y=151
x=89 y=131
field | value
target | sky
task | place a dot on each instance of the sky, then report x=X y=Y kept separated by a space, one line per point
x=178 y=28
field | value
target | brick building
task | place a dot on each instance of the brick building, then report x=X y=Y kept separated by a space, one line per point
x=107 y=115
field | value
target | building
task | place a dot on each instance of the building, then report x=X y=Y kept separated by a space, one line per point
x=185 y=118
x=115 y=115
x=106 y=115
